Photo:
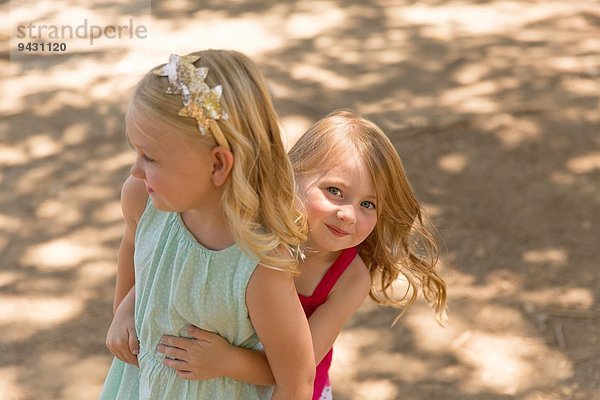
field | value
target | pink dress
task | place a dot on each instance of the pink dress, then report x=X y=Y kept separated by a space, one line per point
x=312 y=302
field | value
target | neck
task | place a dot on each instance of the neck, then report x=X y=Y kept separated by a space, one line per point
x=209 y=227
x=315 y=256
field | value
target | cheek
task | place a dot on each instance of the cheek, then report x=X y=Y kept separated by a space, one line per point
x=154 y=177
x=367 y=225
x=318 y=206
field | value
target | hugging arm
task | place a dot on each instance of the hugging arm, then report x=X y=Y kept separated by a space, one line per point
x=208 y=355
x=277 y=316
x=121 y=338
x=133 y=203
x=287 y=361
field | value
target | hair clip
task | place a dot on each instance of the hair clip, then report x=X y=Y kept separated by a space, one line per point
x=199 y=100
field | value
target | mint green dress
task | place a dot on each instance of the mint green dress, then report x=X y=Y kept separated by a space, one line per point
x=179 y=282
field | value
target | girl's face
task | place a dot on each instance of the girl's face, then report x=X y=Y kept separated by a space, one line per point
x=177 y=174
x=341 y=206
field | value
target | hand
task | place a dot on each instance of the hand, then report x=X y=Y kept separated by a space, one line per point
x=204 y=356
x=121 y=338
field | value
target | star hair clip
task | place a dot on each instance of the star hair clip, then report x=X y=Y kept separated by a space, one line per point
x=199 y=100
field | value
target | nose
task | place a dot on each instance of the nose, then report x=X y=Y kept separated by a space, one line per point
x=347 y=214
x=137 y=171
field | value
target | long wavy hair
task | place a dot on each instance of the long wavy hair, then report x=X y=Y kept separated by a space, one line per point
x=258 y=198
x=400 y=243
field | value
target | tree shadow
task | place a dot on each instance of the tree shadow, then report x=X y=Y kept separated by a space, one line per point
x=498 y=134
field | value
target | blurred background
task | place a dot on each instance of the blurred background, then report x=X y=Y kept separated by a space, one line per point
x=494 y=107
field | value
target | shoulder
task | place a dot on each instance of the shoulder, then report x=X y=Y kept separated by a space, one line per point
x=269 y=288
x=133 y=200
x=265 y=275
x=356 y=280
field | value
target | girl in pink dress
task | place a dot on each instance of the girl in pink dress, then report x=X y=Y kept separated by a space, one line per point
x=363 y=221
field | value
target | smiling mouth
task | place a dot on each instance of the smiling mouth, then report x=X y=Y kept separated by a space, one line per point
x=336 y=231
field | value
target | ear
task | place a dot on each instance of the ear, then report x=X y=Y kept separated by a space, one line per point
x=222 y=163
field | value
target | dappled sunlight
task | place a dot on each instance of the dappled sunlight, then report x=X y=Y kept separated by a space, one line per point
x=509 y=364
x=64 y=253
x=117 y=162
x=453 y=163
x=377 y=389
x=56 y=209
x=108 y=213
x=40 y=146
x=85 y=375
x=552 y=256
x=581 y=86
x=8 y=278
x=79 y=378
x=21 y=313
x=572 y=299
x=512 y=131
x=10 y=155
x=472 y=98
x=584 y=164
x=93 y=273
x=303 y=24
x=9 y=383
x=492 y=104
x=478 y=19
x=322 y=76
x=293 y=126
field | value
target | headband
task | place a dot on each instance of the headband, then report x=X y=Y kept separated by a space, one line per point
x=199 y=100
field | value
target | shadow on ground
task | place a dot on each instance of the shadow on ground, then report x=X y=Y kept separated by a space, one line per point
x=494 y=108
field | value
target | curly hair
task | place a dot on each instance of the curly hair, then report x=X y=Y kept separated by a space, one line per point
x=258 y=198
x=400 y=243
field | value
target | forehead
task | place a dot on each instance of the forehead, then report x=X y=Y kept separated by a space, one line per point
x=348 y=171
x=141 y=127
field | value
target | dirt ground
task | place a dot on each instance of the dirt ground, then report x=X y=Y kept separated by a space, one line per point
x=494 y=107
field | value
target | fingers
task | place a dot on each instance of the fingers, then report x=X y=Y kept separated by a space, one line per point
x=133 y=343
x=126 y=357
x=172 y=352
x=177 y=365
x=182 y=369
x=179 y=342
x=121 y=348
x=198 y=333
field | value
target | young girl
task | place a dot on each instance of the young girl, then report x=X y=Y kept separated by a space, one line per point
x=364 y=227
x=211 y=229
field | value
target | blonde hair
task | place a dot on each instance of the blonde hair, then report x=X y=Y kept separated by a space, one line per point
x=400 y=243
x=258 y=197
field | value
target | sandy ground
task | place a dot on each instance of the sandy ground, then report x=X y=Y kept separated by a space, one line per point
x=494 y=107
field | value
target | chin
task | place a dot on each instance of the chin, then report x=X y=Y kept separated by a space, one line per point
x=161 y=206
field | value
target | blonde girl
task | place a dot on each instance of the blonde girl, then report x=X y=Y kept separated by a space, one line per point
x=211 y=230
x=365 y=230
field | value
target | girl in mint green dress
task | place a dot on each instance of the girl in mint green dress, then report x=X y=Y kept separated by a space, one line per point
x=211 y=231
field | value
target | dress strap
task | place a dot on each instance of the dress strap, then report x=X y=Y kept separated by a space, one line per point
x=334 y=272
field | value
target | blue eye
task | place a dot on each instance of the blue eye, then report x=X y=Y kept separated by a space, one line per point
x=367 y=204
x=334 y=191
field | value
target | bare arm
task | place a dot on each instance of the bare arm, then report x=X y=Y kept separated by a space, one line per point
x=282 y=327
x=344 y=300
x=121 y=338
x=208 y=355
x=133 y=202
